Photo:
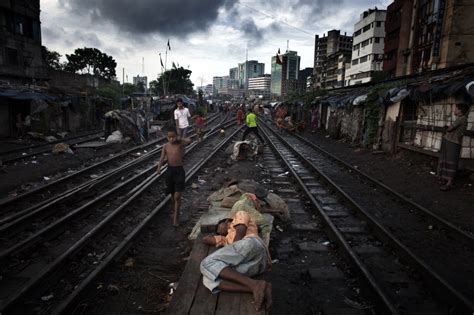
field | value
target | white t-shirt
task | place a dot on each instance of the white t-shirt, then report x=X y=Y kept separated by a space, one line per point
x=182 y=116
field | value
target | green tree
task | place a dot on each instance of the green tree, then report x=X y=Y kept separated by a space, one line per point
x=129 y=88
x=155 y=88
x=91 y=61
x=141 y=87
x=177 y=81
x=51 y=58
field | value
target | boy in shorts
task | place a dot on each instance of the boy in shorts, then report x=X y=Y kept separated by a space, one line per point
x=173 y=151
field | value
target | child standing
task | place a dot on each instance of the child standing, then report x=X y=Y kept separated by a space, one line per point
x=173 y=151
x=199 y=125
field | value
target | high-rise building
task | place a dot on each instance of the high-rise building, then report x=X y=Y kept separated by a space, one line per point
x=367 y=46
x=220 y=85
x=329 y=48
x=428 y=35
x=304 y=76
x=284 y=77
x=260 y=86
x=143 y=80
x=249 y=69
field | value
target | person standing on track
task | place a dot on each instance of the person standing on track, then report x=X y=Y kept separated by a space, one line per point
x=181 y=115
x=251 y=121
x=173 y=151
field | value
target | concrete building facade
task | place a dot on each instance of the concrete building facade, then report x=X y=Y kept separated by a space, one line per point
x=21 y=58
x=284 y=77
x=331 y=45
x=368 y=46
x=249 y=69
x=260 y=86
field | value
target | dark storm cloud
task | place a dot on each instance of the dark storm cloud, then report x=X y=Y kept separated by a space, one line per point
x=167 y=17
x=72 y=39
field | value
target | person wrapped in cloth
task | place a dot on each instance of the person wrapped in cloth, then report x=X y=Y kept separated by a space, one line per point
x=243 y=254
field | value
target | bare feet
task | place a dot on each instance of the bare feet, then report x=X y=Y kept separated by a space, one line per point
x=259 y=293
x=268 y=296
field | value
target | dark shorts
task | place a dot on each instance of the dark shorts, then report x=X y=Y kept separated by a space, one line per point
x=175 y=179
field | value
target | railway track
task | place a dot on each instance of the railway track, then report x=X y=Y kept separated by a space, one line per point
x=75 y=246
x=354 y=211
x=28 y=151
x=82 y=178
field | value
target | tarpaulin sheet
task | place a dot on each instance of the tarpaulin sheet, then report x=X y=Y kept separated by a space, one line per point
x=25 y=95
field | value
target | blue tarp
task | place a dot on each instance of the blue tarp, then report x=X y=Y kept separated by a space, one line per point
x=26 y=95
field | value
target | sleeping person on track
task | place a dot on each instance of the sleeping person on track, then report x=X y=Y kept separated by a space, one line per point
x=242 y=256
x=173 y=151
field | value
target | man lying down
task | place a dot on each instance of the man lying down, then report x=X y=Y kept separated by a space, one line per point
x=242 y=256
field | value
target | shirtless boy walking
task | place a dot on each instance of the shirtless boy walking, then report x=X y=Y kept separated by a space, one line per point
x=173 y=151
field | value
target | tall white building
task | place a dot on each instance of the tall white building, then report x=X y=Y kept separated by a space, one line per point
x=260 y=86
x=367 y=48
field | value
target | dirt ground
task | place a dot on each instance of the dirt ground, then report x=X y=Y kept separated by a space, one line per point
x=411 y=174
x=21 y=175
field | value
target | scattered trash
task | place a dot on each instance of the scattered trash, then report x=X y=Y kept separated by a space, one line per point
x=173 y=286
x=50 y=138
x=47 y=297
x=283 y=174
x=275 y=261
x=115 y=137
x=60 y=148
x=99 y=286
x=138 y=153
x=34 y=162
x=326 y=243
x=201 y=181
x=356 y=305
x=279 y=228
x=130 y=262
x=430 y=227
x=24 y=153
x=94 y=176
x=266 y=181
x=46 y=178
x=62 y=134
x=194 y=186
x=356 y=167
x=327 y=136
x=432 y=173
x=113 y=288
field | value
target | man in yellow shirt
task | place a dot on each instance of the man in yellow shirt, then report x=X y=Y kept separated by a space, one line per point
x=243 y=255
x=251 y=121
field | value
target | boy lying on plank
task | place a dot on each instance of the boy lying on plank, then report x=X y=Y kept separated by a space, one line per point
x=243 y=255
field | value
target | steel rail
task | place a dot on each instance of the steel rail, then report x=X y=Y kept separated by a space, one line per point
x=40 y=206
x=384 y=300
x=56 y=225
x=46 y=144
x=7 y=201
x=21 y=157
x=446 y=292
x=419 y=207
x=32 y=283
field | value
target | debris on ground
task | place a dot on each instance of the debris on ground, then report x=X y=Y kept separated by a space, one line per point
x=115 y=137
x=129 y=263
x=60 y=148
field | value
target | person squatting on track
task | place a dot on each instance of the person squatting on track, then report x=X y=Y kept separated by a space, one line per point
x=173 y=151
x=242 y=256
x=181 y=115
x=251 y=121
x=451 y=147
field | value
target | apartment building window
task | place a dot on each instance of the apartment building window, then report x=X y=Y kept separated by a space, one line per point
x=366 y=28
x=11 y=55
x=377 y=39
x=365 y=43
x=378 y=24
x=363 y=59
x=355 y=61
x=358 y=33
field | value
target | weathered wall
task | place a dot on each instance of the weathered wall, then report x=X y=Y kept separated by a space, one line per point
x=352 y=120
x=439 y=114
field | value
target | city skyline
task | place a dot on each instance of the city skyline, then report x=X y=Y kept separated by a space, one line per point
x=209 y=41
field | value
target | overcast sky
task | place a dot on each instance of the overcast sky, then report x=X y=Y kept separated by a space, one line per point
x=209 y=36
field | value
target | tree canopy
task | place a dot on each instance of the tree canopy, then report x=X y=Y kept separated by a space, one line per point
x=91 y=61
x=177 y=81
x=51 y=59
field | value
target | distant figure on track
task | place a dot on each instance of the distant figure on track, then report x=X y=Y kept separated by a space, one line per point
x=181 y=115
x=239 y=115
x=451 y=147
x=251 y=121
x=173 y=151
